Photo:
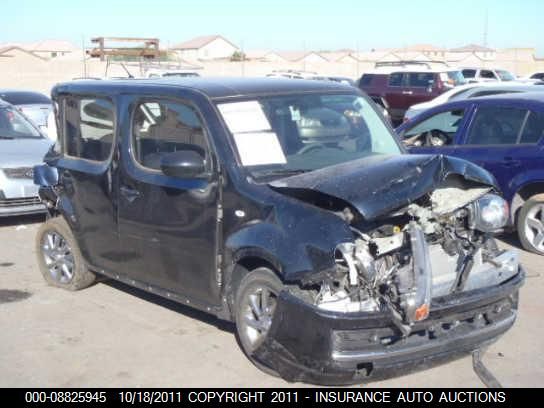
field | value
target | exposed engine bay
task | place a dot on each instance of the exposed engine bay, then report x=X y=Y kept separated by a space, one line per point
x=438 y=245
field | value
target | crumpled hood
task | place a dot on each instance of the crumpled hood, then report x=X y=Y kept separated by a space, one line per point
x=380 y=184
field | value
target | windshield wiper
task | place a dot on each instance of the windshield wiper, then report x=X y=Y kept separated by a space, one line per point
x=6 y=137
x=281 y=172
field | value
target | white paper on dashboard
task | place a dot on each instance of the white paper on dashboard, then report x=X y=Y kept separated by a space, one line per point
x=244 y=116
x=258 y=148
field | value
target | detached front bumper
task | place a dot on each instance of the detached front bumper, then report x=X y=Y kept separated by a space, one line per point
x=312 y=345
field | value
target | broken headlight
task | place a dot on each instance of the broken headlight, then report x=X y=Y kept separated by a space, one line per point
x=489 y=213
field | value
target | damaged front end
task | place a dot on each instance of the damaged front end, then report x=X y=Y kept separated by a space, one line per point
x=414 y=286
x=431 y=248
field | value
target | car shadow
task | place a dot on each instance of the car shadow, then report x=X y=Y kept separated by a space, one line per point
x=22 y=220
x=511 y=238
x=171 y=305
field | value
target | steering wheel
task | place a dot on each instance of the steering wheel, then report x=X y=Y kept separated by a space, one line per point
x=437 y=137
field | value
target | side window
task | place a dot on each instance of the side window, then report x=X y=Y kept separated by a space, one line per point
x=534 y=128
x=162 y=127
x=420 y=80
x=438 y=130
x=469 y=73
x=366 y=79
x=496 y=125
x=89 y=128
x=484 y=73
x=395 y=79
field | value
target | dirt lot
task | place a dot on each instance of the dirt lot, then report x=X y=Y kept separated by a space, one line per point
x=112 y=335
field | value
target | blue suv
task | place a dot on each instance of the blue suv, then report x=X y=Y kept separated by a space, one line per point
x=502 y=134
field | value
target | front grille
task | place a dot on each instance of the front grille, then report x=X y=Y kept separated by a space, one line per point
x=19 y=172
x=19 y=202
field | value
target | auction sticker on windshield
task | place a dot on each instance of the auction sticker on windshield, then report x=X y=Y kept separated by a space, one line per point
x=259 y=148
x=244 y=116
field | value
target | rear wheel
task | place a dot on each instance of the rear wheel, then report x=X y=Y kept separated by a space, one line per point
x=59 y=258
x=530 y=224
x=256 y=302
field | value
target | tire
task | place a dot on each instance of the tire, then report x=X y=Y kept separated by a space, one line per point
x=59 y=257
x=255 y=282
x=530 y=224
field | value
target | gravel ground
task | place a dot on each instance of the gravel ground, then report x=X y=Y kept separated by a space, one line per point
x=111 y=335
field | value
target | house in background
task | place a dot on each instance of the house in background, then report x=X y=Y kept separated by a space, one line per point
x=206 y=47
x=263 y=56
x=52 y=48
x=302 y=56
x=481 y=52
x=18 y=53
x=46 y=49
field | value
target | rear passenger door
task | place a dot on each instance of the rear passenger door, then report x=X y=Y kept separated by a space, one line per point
x=493 y=142
x=88 y=174
x=419 y=87
x=395 y=95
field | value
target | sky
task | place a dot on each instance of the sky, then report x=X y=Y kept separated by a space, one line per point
x=282 y=24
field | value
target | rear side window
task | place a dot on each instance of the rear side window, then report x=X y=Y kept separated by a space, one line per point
x=395 y=79
x=534 y=128
x=163 y=127
x=496 y=126
x=484 y=73
x=469 y=73
x=538 y=76
x=421 y=79
x=366 y=80
x=89 y=126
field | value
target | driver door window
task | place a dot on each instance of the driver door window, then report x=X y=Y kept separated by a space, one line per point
x=438 y=130
x=162 y=127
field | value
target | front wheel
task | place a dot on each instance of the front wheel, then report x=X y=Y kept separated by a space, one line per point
x=530 y=224
x=256 y=302
x=59 y=258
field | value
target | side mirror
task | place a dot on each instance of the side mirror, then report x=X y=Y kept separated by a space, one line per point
x=183 y=164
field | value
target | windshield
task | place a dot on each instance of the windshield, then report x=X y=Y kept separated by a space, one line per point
x=278 y=136
x=14 y=126
x=505 y=75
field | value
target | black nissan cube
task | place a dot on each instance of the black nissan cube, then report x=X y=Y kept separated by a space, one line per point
x=285 y=206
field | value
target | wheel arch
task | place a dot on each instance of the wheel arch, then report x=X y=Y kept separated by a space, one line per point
x=522 y=195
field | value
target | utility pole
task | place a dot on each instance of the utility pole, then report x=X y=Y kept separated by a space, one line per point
x=486 y=26
x=84 y=61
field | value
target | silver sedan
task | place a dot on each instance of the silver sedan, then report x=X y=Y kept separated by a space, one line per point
x=22 y=146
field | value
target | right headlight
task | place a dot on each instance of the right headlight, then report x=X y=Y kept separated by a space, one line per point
x=489 y=213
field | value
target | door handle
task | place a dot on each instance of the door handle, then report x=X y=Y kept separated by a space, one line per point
x=129 y=193
x=407 y=92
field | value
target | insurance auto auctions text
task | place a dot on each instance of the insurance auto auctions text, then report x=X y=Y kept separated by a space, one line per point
x=347 y=396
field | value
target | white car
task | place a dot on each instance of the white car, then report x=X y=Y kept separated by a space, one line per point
x=471 y=91
x=535 y=76
x=487 y=75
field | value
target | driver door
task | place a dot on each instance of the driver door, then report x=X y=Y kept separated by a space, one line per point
x=438 y=133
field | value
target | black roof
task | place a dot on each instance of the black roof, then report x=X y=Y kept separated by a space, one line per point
x=226 y=87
